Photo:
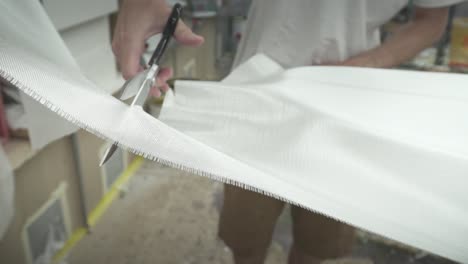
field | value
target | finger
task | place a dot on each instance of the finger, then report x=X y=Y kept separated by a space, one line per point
x=160 y=84
x=165 y=87
x=130 y=59
x=155 y=92
x=128 y=53
x=185 y=36
x=165 y=74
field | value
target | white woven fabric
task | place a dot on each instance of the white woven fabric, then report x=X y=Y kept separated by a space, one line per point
x=24 y=22
x=384 y=150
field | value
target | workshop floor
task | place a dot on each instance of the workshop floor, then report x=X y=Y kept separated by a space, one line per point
x=168 y=216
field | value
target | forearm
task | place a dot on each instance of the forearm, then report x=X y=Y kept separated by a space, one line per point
x=426 y=28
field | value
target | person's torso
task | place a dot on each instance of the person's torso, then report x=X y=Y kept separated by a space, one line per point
x=305 y=32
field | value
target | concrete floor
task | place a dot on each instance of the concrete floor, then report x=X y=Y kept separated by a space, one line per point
x=168 y=216
x=164 y=216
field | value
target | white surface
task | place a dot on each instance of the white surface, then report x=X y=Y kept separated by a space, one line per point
x=24 y=21
x=383 y=150
x=375 y=154
x=67 y=13
x=90 y=45
x=304 y=32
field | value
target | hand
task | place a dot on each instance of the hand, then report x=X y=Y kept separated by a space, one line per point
x=161 y=82
x=137 y=21
x=366 y=60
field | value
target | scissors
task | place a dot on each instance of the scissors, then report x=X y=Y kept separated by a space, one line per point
x=143 y=81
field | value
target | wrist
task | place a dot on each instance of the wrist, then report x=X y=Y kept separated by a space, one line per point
x=385 y=59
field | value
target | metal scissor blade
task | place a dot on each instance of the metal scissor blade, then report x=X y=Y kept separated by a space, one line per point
x=144 y=81
x=145 y=86
x=131 y=86
x=108 y=154
x=122 y=91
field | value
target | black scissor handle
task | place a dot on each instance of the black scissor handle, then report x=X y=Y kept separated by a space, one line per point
x=167 y=34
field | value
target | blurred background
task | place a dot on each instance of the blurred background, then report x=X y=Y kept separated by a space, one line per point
x=67 y=209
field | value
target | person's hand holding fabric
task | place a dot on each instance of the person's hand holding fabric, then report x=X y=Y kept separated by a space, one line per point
x=137 y=21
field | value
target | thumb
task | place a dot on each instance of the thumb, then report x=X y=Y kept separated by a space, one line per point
x=185 y=36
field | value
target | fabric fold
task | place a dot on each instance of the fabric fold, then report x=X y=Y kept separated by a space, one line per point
x=383 y=150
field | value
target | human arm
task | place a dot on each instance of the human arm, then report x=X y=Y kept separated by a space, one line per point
x=426 y=28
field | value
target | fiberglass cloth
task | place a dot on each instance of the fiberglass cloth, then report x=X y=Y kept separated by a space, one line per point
x=24 y=22
x=384 y=150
